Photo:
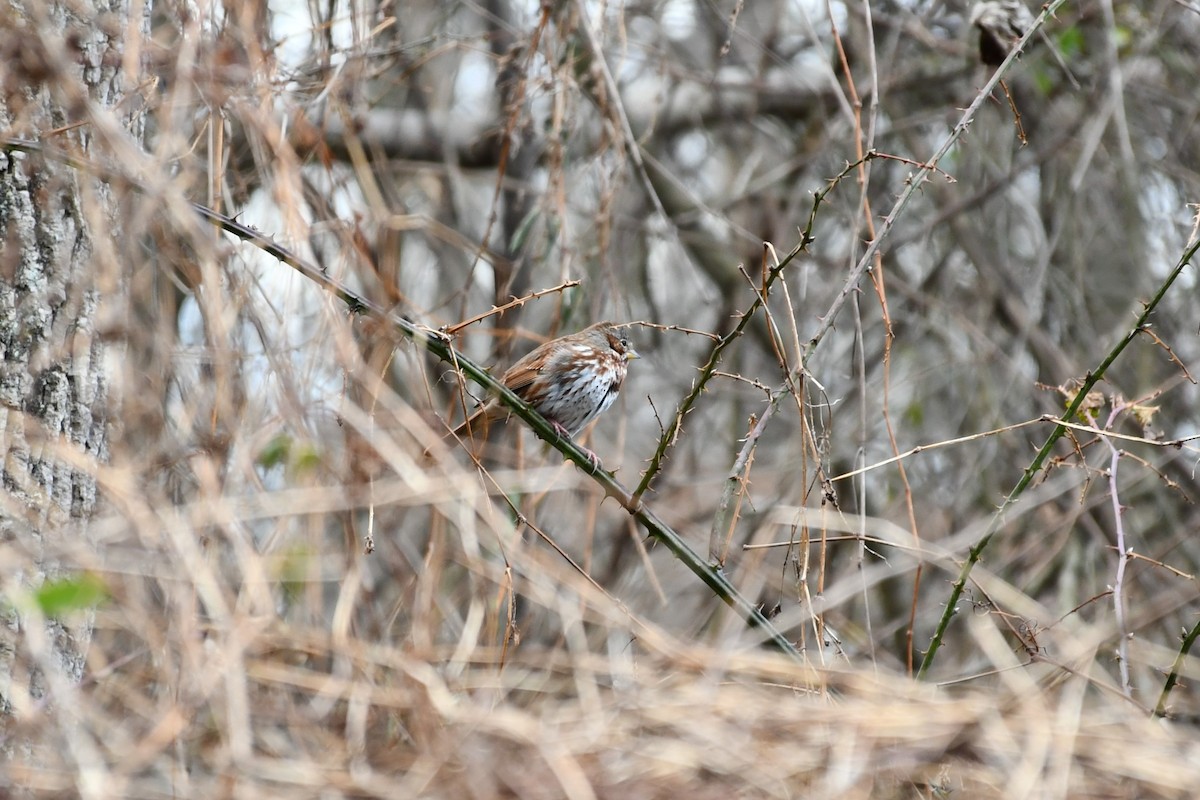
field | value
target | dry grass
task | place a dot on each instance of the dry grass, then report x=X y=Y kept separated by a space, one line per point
x=249 y=648
x=257 y=705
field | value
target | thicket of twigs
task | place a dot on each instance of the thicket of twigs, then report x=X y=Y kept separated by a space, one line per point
x=917 y=389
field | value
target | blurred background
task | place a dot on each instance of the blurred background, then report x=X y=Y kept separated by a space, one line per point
x=242 y=558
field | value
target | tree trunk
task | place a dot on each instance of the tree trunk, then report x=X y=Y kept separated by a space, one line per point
x=58 y=235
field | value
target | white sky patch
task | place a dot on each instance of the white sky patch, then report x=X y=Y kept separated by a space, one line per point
x=474 y=88
x=691 y=150
x=679 y=19
x=292 y=27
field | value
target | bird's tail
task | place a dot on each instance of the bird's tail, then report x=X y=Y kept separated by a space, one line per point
x=474 y=425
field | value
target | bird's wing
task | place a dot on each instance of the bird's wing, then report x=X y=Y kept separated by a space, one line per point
x=520 y=377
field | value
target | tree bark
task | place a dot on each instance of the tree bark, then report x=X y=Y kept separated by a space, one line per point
x=58 y=235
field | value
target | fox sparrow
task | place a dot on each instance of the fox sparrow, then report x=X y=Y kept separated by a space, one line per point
x=569 y=380
x=1001 y=23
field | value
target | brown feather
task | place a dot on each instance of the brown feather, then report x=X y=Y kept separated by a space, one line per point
x=560 y=379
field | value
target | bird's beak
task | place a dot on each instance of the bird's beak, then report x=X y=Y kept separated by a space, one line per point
x=631 y=354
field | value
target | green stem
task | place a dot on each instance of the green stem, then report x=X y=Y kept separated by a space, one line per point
x=1093 y=377
x=1189 y=639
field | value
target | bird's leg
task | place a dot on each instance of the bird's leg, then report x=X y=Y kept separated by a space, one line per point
x=592 y=457
x=566 y=434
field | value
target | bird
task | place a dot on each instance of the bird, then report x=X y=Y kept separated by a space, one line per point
x=570 y=381
x=1001 y=24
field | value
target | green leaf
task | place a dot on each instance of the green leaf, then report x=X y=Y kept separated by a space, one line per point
x=55 y=598
x=293 y=571
x=305 y=459
x=914 y=415
x=1044 y=82
x=276 y=451
x=1070 y=43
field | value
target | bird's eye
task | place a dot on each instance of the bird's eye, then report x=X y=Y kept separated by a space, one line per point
x=624 y=343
